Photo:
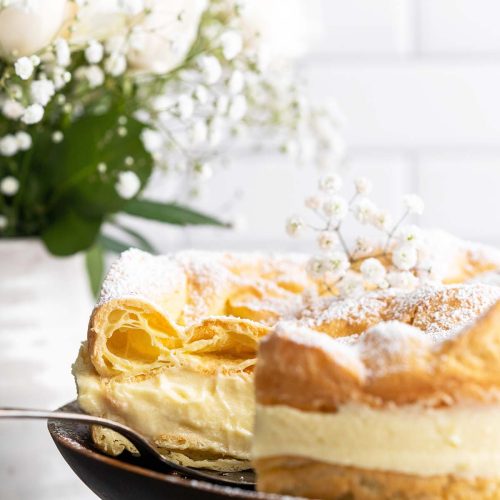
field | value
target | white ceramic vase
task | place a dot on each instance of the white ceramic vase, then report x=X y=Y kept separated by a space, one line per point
x=45 y=303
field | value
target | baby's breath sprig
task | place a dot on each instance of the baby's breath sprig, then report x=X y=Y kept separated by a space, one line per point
x=349 y=271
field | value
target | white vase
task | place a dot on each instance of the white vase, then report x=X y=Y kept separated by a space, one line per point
x=45 y=303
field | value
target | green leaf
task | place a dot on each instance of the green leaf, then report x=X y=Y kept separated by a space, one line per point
x=70 y=233
x=140 y=240
x=94 y=261
x=89 y=141
x=112 y=244
x=170 y=213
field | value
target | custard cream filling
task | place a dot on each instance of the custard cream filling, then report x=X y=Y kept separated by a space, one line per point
x=178 y=407
x=414 y=440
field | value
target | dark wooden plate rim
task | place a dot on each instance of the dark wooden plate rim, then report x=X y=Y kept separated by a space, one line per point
x=206 y=486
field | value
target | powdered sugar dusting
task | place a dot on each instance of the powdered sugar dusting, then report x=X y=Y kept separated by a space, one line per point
x=209 y=280
x=139 y=274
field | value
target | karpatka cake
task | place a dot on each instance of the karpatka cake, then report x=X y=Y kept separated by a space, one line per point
x=172 y=342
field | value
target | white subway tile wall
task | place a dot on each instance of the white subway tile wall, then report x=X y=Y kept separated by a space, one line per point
x=418 y=83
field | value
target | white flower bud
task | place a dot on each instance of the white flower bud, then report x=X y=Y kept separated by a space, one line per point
x=24 y=68
x=94 y=52
x=95 y=76
x=238 y=108
x=336 y=207
x=32 y=114
x=351 y=285
x=405 y=257
x=13 y=110
x=316 y=267
x=403 y=280
x=414 y=204
x=128 y=184
x=331 y=184
x=215 y=131
x=382 y=220
x=222 y=105
x=4 y=222
x=42 y=91
x=232 y=44
x=185 y=106
x=152 y=140
x=327 y=240
x=313 y=202
x=363 y=246
x=201 y=94
x=9 y=186
x=409 y=234
x=364 y=210
x=363 y=185
x=204 y=171
x=336 y=265
x=294 y=226
x=63 y=54
x=57 y=137
x=373 y=270
x=24 y=140
x=199 y=131
x=211 y=69
x=236 y=82
x=8 y=145
x=115 y=64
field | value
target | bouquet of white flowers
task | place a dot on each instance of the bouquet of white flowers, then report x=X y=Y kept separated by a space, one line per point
x=96 y=94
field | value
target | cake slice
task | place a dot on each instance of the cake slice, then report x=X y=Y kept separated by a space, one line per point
x=391 y=413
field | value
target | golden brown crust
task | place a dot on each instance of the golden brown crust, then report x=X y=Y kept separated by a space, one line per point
x=313 y=479
x=377 y=369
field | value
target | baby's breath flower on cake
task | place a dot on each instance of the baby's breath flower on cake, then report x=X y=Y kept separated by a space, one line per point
x=364 y=210
x=363 y=185
x=294 y=226
x=327 y=240
x=414 y=204
x=405 y=257
x=373 y=270
x=396 y=262
x=330 y=184
x=336 y=208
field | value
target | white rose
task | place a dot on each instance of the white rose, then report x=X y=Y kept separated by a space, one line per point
x=162 y=41
x=159 y=41
x=25 y=30
x=99 y=20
